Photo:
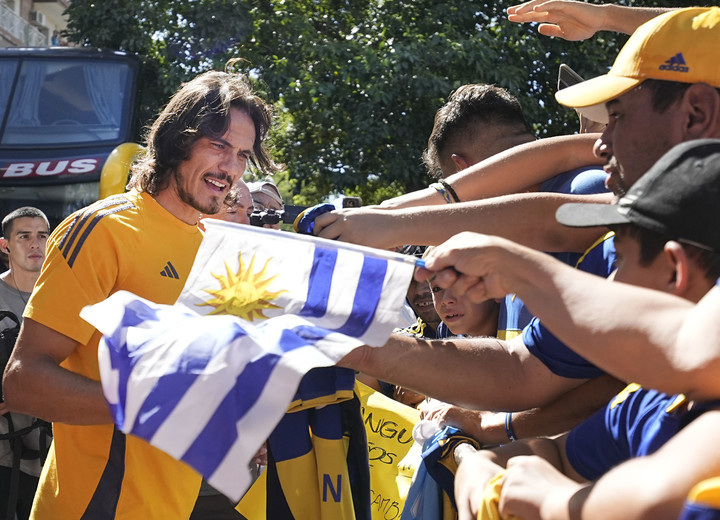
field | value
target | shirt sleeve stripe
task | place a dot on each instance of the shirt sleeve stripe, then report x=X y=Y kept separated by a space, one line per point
x=78 y=231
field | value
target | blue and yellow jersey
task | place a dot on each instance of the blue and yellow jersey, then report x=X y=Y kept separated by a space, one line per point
x=513 y=316
x=637 y=422
x=561 y=360
x=703 y=502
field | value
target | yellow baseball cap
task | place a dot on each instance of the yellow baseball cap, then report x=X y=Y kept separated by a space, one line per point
x=679 y=45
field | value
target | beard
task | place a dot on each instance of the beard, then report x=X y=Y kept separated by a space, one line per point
x=616 y=180
x=210 y=207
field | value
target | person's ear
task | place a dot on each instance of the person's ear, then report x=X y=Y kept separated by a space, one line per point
x=678 y=282
x=702 y=104
x=4 y=245
x=460 y=162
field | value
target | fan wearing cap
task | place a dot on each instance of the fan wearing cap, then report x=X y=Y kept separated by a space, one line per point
x=670 y=103
x=663 y=243
x=266 y=197
x=661 y=90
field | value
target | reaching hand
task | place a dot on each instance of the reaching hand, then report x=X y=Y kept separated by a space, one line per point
x=473 y=474
x=485 y=427
x=532 y=487
x=565 y=19
x=474 y=265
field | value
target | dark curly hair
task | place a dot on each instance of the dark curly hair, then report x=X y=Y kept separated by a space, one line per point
x=201 y=108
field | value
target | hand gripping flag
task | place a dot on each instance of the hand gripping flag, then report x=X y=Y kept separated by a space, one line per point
x=207 y=379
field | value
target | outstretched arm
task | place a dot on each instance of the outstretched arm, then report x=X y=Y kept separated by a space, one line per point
x=567 y=411
x=478 y=373
x=573 y=20
x=511 y=171
x=528 y=218
x=593 y=316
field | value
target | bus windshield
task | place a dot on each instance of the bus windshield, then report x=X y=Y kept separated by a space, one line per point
x=63 y=102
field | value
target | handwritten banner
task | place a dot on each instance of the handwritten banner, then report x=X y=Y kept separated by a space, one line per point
x=388 y=426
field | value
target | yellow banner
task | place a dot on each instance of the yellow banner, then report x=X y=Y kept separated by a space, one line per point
x=388 y=426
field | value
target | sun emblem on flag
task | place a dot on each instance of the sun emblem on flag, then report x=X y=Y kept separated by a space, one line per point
x=243 y=294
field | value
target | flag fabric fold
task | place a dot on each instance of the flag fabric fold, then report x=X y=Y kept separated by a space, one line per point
x=207 y=379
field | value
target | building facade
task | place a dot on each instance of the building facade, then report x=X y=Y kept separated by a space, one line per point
x=32 y=23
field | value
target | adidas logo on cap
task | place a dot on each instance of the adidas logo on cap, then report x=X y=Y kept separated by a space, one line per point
x=676 y=63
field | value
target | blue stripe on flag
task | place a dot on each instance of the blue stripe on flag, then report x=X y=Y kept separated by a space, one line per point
x=170 y=388
x=211 y=446
x=321 y=276
x=367 y=297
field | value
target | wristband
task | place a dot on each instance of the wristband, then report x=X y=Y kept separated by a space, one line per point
x=441 y=190
x=509 y=428
x=449 y=189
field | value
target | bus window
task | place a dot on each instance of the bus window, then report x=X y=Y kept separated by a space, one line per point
x=58 y=102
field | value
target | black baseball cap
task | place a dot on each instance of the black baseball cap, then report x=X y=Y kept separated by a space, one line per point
x=679 y=196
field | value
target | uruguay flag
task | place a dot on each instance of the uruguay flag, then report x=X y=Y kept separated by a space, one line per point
x=207 y=379
x=257 y=273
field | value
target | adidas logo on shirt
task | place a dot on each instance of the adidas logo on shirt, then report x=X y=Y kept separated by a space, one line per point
x=676 y=63
x=170 y=272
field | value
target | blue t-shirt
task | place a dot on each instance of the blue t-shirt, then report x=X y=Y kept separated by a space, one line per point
x=443 y=331
x=581 y=181
x=513 y=315
x=637 y=422
x=560 y=359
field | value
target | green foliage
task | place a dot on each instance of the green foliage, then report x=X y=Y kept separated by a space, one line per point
x=174 y=40
x=355 y=83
